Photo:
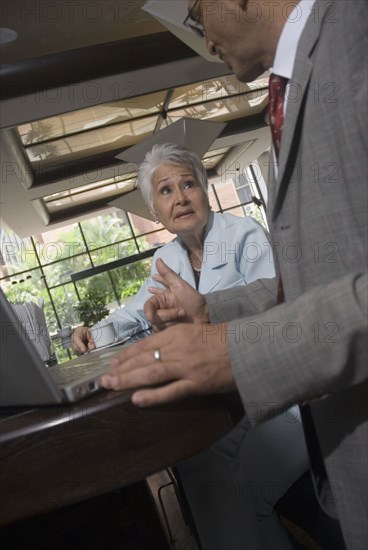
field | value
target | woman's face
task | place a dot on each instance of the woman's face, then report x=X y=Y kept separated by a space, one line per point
x=179 y=200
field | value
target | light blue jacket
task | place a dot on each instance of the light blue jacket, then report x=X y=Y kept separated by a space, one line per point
x=236 y=252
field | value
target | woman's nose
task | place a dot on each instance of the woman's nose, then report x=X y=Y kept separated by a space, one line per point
x=180 y=197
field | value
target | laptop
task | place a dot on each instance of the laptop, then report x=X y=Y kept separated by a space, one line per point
x=26 y=381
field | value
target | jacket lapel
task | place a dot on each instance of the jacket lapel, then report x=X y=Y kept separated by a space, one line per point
x=214 y=258
x=209 y=280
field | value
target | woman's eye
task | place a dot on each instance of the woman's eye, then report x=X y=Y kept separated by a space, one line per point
x=165 y=190
x=188 y=184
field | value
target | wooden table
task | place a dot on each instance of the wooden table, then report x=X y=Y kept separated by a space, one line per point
x=51 y=457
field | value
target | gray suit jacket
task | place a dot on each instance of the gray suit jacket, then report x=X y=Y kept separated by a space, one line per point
x=313 y=348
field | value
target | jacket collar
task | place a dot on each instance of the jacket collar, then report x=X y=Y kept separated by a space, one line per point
x=214 y=257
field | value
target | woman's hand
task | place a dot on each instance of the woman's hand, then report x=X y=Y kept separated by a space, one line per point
x=181 y=361
x=179 y=302
x=82 y=340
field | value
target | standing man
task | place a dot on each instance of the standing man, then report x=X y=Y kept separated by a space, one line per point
x=302 y=337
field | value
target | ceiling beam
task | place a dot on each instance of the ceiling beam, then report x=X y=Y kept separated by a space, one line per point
x=32 y=76
x=80 y=95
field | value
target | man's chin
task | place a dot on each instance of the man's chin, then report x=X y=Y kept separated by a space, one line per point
x=239 y=72
x=246 y=76
x=240 y=75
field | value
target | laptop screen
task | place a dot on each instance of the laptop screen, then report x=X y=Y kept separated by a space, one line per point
x=26 y=381
x=23 y=376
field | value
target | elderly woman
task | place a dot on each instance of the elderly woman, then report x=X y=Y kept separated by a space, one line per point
x=232 y=486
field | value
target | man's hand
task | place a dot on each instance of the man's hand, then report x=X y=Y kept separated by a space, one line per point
x=82 y=340
x=179 y=302
x=193 y=360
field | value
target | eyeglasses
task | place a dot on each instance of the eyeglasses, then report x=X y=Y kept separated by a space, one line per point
x=191 y=21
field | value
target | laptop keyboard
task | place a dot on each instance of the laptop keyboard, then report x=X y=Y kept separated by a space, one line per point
x=69 y=373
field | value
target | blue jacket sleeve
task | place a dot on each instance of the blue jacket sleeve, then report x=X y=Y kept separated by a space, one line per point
x=130 y=319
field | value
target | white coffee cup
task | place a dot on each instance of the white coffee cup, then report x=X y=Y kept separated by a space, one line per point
x=103 y=336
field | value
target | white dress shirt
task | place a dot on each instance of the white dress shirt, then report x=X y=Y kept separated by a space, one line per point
x=283 y=64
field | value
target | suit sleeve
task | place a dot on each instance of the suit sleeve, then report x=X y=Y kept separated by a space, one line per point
x=242 y=301
x=298 y=351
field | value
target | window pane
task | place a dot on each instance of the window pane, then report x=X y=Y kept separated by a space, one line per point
x=213 y=201
x=154 y=233
x=142 y=225
x=60 y=243
x=98 y=287
x=25 y=288
x=65 y=299
x=61 y=353
x=98 y=191
x=112 y=252
x=152 y=241
x=244 y=194
x=106 y=228
x=215 y=89
x=60 y=272
x=256 y=213
x=92 y=117
x=222 y=109
x=226 y=194
x=91 y=143
x=31 y=289
x=129 y=279
x=16 y=254
x=213 y=158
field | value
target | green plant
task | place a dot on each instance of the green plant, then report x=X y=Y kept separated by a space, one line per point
x=132 y=288
x=92 y=307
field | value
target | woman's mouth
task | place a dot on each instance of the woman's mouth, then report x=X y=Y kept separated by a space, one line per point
x=184 y=214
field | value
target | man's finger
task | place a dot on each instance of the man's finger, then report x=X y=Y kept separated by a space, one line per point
x=165 y=394
x=150 y=308
x=168 y=316
x=130 y=352
x=153 y=373
x=154 y=313
x=169 y=276
x=158 y=327
x=156 y=290
x=159 y=279
x=134 y=352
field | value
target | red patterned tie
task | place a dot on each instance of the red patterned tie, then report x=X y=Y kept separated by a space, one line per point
x=277 y=87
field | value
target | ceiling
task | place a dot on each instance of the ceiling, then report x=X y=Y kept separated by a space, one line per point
x=83 y=81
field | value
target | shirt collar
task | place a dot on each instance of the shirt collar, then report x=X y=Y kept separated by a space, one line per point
x=286 y=48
